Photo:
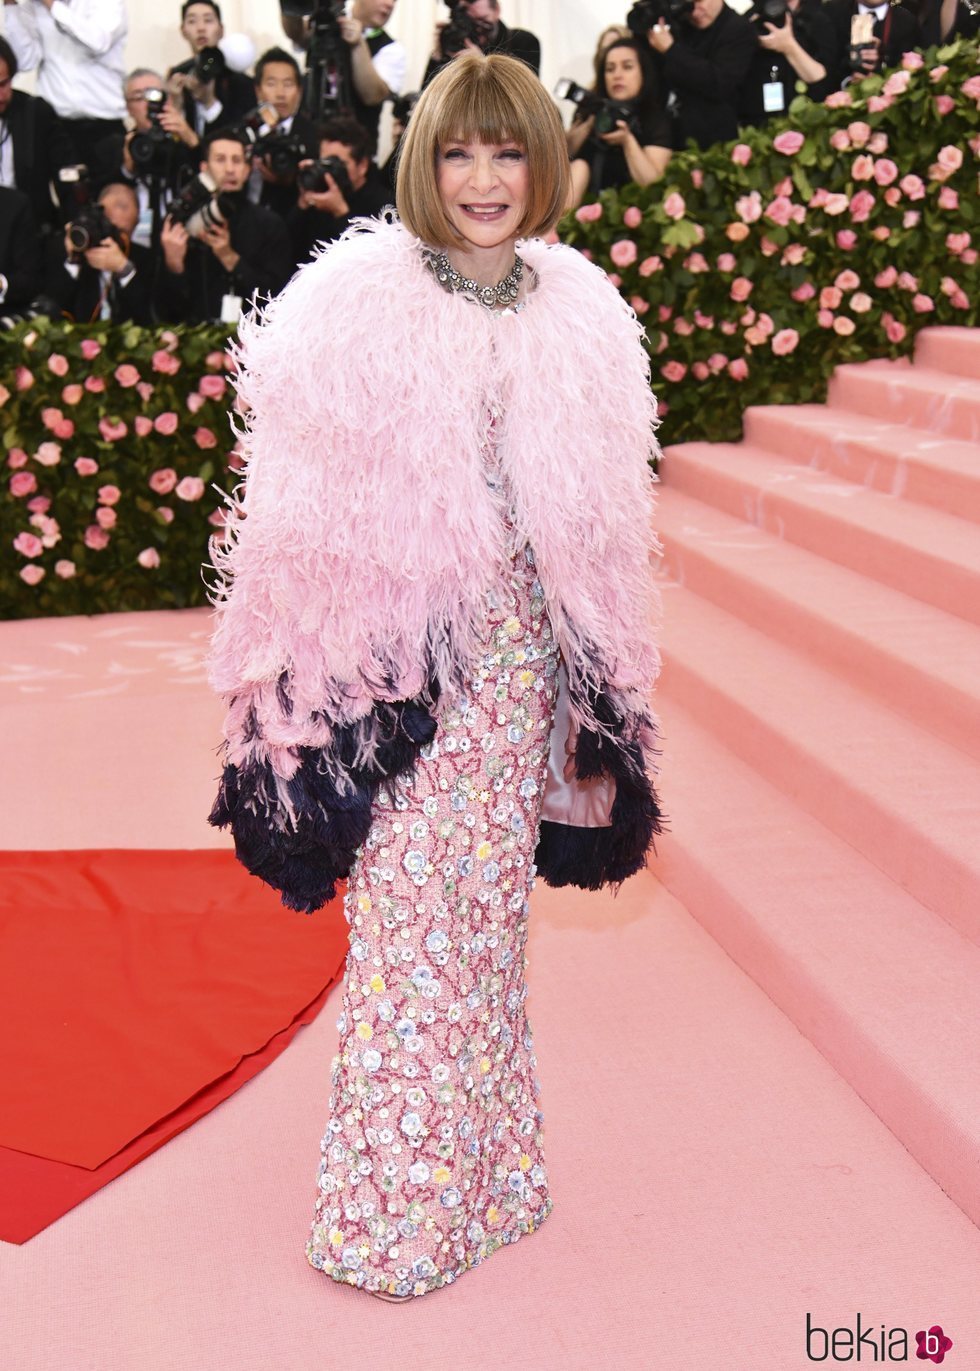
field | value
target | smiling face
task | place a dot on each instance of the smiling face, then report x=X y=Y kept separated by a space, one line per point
x=623 y=74
x=483 y=187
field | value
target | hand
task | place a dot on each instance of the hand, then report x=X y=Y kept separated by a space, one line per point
x=619 y=136
x=218 y=239
x=174 y=239
x=70 y=253
x=202 y=91
x=351 y=30
x=870 y=55
x=175 y=124
x=127 y=157
x=107 y=256
x=777 y=39
x=660 y=37
x=331 y=200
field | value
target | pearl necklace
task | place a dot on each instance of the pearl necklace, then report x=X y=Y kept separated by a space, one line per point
x=505 y=292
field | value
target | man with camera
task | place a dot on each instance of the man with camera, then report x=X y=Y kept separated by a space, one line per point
x=796 y=43
x=33 y=146
x=868 y=38
x=212 y=94
x=705 y=50
x=99 y=272
x=342 y=185
x=476 y=26
x=218 y=249
x=377 y=62
x=284 y=137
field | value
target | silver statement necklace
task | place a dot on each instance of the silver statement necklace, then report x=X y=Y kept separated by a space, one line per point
x=505 y=292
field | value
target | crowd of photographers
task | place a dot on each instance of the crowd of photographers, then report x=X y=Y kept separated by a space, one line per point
x=180 y=196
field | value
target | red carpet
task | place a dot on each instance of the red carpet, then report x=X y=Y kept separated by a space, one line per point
x=139 y=989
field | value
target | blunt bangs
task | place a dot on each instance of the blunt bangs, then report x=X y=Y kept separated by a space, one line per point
x=478 y=99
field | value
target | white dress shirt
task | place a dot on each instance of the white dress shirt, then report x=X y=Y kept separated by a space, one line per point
x=77 y=48
x=6 y=155
x=391 y=63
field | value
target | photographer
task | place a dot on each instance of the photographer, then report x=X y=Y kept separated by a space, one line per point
x=377 y=62
x=705 y=55
x=892 y=31
x=99 y=272
x=218 y=249
x=347 y=186
x=212 y=95
x=20 y=252
x=628 y=132
x=943 y=21
x=33 y=144
x=284 y=138
x=580 y=129
x=476 y=26
x=796 y=43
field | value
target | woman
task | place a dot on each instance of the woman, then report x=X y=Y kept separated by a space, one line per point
x=434 y=639
x=634 y=149
x=580 y=129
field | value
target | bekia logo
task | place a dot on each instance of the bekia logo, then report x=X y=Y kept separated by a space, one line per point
x=853 y=1344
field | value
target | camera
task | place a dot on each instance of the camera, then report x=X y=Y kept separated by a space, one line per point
x=644 y=15
x=402 y=106
x=862 y=43
x=314 y=177
x=89 y=227
x=200 y=206
x=607 y=112
x=462 y=27
x=209 y=64
x=150 y=151
x=281 y=153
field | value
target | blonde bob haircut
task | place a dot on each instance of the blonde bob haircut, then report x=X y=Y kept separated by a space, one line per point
x=477 y=99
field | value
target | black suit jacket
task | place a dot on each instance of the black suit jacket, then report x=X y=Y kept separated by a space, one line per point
x=41 y=147
x=20 y=250
x=78 y=297
x=234 y=89
x=898 y=32
x=282 y=199
x=265 y=265
x=519 y=43
x=705 y=70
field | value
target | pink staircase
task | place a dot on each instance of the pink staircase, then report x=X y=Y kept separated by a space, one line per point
x=821 y=709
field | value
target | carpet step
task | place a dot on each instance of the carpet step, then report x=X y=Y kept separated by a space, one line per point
x=906 y=800
x=922 y=552
x=912 y=657
x=912 y=463
x=887 y=992
x=956 y=350
x=916 y=395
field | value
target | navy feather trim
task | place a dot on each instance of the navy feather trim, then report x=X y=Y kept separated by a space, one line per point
x=304 y=862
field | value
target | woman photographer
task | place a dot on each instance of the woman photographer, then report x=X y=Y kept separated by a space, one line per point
x=796 y=43
x=618 y=150
x=581 y=127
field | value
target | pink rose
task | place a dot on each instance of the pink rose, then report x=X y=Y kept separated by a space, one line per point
x=825 y=318
x=112 y=432
x=72 y=394
x=165 y=513
x=767 y=247
x=166 y=423
x=785 y=341
x=836 y=204
x=741 y=289
x=937 y=73
x=839 y=140
x=639 y=305
x=738 y=369
x=90 y=349
x=28 y=545
x=893 y=196
x=948 y=286
x=881 y=233
x=17 y=457
x=649 y=265
x=741 y=154
x=700 y=371
x=861 y=206
x=897 y=84
x=142 y=425
x=912 y=61
x=862 y=168
x=895 y=330
x=697 y=178
x=913 y=187
x=50 y=417
x=737 y=233
x=218 y=518
x=717 y=362
x=195 y=401
x=95 y=385
x=728 y=327
x=971 y=88
x=109 y=495
x=149 y=558
x=749 y=207
x=789 y=142
x=588 y=214
x=664 y=312
x=959 y=300
x=906 y=281
x=846 y=280
x=858 y=133
x=126 y=375
x=23 y=378
x=145 y=389
x=877 y=103
x=190 y=488
x=885 y=171
x=755 y=337
x=96 y=538
x=804 y=292
x=780 y=210
x=968 y=257
x=945 y=104
x=48 y=454
x=22 y=483
x=844 y=326
x=684 y=327
x=674 y=206
x=846 y=239
x=793 y=254
x=878 y=142
x=162 y=481
x=703 y=320
x=957 y=242
x=65 y=569
x=39 y=505
x=64 y=428
x=105 y=517
x=860 y=302
x=32 y=573
x=632 y=218
x=910 y=218
x=948 y=198
x=86 y=466
x=623 y=254
x=923 y=304
x=57 y=364
x=216 y=361
x=696 y=263
x=726 y=262
x=838 y=99
x=673 y=371
x=165 y=362
x=614 y=279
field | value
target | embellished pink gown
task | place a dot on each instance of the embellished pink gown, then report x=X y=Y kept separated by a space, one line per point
x=432 y=1156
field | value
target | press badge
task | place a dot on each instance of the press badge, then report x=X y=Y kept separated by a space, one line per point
x=231 y=309
x=772 y=95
